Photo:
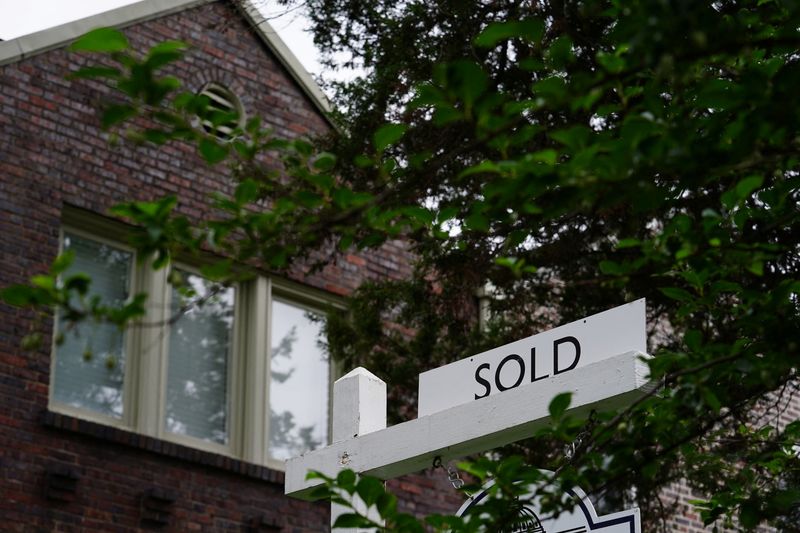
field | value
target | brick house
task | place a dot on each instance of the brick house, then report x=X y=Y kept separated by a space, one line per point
x=132 y=436
x=113 y=431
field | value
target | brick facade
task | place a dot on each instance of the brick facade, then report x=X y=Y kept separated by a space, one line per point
x=58 y=473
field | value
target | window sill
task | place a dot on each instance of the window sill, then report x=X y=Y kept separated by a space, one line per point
x=161 y=447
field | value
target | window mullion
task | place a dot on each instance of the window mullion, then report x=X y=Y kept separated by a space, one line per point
x=151 y=338
x=255 y=342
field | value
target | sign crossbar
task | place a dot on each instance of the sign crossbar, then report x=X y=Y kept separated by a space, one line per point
x=475 y=427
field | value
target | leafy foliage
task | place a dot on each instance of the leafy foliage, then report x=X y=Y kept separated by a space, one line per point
x=580 y=155
x=563 y=158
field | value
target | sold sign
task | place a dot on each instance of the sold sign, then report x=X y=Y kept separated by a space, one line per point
x=539 y=357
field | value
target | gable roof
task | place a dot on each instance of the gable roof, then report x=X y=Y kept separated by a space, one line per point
x=35 y=43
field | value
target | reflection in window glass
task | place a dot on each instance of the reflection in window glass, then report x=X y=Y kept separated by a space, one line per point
x=199 y=347
x=90 y=363
x=298 y=393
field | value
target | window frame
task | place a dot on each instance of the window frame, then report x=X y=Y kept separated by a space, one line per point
x=147 y=349
x=298 y=296
x=129 y=378
x=232 y=374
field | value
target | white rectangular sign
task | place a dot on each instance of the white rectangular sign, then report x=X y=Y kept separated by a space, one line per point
x=528 y=361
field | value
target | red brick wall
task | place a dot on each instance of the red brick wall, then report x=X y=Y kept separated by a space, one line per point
x=53 y=154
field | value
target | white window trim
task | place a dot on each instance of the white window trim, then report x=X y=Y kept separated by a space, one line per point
x=298 y=296
x=146 y=363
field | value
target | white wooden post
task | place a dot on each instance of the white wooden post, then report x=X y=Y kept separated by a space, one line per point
x=359 y=407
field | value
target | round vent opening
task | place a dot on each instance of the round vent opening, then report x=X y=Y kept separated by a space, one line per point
x=224 y=113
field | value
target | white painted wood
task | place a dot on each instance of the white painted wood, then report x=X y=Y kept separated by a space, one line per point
x=600 y=336
x=151 y=348
x=474 y=427
x=255 y=372
x=359 y=404
x=359 y=408
x=581 y=518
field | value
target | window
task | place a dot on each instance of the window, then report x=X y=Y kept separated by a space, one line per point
x=198 y=359
x=224 y=113
x=90 y=362
x=235 y=370
x=299 y=378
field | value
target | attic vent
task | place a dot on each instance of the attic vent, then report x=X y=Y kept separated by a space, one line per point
x=224 y=113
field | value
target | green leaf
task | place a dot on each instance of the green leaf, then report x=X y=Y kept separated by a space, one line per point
x=749 y=514
x=370 y=489
x=560 y=52
x=611 y=62
x=420 y=214
x=386 y=504
x=553 y=89
x=217 y=271
x=116 y=114
x=548 y=157
x=346 y=479
x=756 y=267
x=748 y=185
x=106 y=40
x=676 y=294
x=530 y=30
x=480 y=168
x=308 y=199
x=79 y=283
x=711 y=399
x=612 y=268
x=32 y=341
x=628 y=243
x=18 y=295
x=44 y=281
x=559 y=405
x=156 y=136
x=477 y=222
x=467 y=80
x=246 y=192
x=387 y=135
x=350 y=520
x=693 y=339
x=324 y=161
x=575 y=137
x=212 y=151
x=168 y=47
x=62 y=262
x=346 y=198
x=726 y=286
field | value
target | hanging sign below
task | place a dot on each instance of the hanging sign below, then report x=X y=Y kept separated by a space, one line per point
x=534 y=359
x=582 y=518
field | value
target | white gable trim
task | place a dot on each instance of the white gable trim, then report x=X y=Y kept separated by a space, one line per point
x=58 y=36
x=42 y=41
x=284 y=54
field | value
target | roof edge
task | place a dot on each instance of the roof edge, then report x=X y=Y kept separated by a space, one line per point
x=32 y=44
x=48 y=39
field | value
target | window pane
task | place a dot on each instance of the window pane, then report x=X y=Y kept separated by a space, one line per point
x=90 y=363
x=298 y=393
x=199 y=347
